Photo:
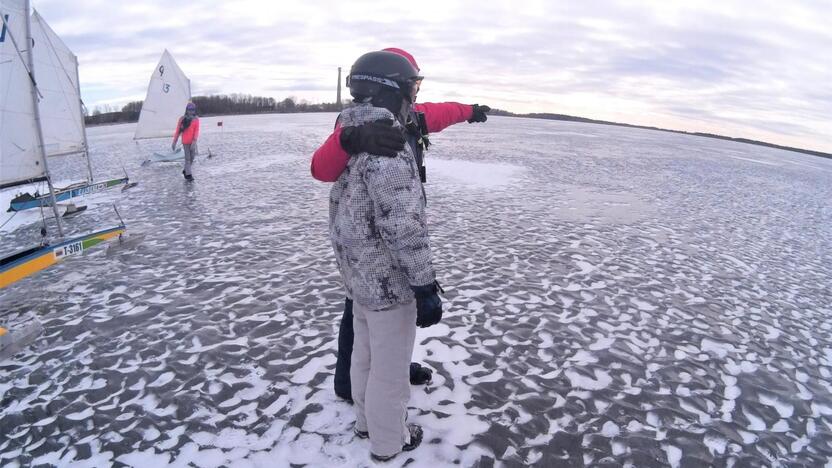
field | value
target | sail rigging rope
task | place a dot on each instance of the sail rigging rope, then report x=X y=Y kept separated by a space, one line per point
x=43 y=220
x=42 y=217
x=10 y=218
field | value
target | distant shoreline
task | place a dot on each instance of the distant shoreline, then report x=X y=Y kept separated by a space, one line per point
x=549 y=116
x=570 y=118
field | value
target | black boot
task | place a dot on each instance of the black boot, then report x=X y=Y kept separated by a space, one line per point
x=415 y=440
x=419 y=374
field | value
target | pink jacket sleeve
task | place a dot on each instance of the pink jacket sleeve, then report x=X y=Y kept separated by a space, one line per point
x=330 y=160
x=196 y=130
x=441 y=115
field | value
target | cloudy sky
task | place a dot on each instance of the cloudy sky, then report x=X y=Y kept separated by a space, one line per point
x=756 y=69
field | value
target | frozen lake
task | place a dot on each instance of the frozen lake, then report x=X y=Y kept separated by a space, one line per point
x=614 y=297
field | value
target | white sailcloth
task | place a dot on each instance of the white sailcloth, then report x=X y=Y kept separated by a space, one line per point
x=20 y=155
x=167 y=95
x=56 y=68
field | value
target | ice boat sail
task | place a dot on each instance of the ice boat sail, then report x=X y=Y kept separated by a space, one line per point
x=167 y=94
x=22 y=156
x=61 y=114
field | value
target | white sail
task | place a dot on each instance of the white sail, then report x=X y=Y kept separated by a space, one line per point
x=167 y=95
x=56 y=68
x=20 y=155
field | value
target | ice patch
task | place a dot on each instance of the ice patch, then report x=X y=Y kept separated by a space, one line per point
x=642 y=305
x=151 y=434
x=45 y=421
x=747 y=437
x=601 y=381
x=583 y=358
x=799 y=444
x=755 y=422
x=773 y=333
x=312 y=368
x=472 y=292
x=610 y=429
x=821 y=409
x=803 y=392
x=86 y=384
x=81 y=415
x=753 y=160
x=489 y=377
x=476 y=174
x=585 y=267
x=785 y=410
x=716 y=444
x=602 y=343
x=715 y=347
x=674 y=454
x=197 y=346
x=163 y=379
x=147 y=457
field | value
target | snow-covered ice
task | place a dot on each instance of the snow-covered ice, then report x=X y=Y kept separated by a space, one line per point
x=615 y=297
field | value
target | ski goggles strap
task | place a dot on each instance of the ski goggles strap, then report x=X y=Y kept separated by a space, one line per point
x=374 y=79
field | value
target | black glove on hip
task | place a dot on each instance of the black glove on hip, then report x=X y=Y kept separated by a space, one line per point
x=378 y=137
x=428 y=304
x=479 y=113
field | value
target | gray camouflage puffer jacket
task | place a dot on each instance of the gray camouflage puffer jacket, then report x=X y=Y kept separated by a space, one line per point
x=377 y=222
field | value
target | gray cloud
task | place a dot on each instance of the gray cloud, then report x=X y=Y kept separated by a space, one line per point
x=756 y=69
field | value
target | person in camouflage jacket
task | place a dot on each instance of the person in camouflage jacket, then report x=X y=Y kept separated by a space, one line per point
x=377 y=222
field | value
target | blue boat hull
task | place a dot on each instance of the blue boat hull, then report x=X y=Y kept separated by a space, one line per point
x=27 y=201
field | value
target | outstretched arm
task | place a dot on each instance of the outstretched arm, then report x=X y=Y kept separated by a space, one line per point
x=441 y=115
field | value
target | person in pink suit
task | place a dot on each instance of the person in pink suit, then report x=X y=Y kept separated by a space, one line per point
x=188 y=128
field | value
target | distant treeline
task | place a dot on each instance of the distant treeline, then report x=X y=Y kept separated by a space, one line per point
x=214 y=105
x=572 y=118
x=222 y=104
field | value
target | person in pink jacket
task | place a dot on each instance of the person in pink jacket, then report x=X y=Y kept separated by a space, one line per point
x=330 y=160
x=381 y=138
x=188 y=128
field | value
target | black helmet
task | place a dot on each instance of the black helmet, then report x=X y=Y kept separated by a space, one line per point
x=377 y=71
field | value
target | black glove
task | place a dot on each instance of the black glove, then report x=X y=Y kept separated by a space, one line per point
x=379 y=138
x=479 y=113
x=428 y=304
x=419 y=374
